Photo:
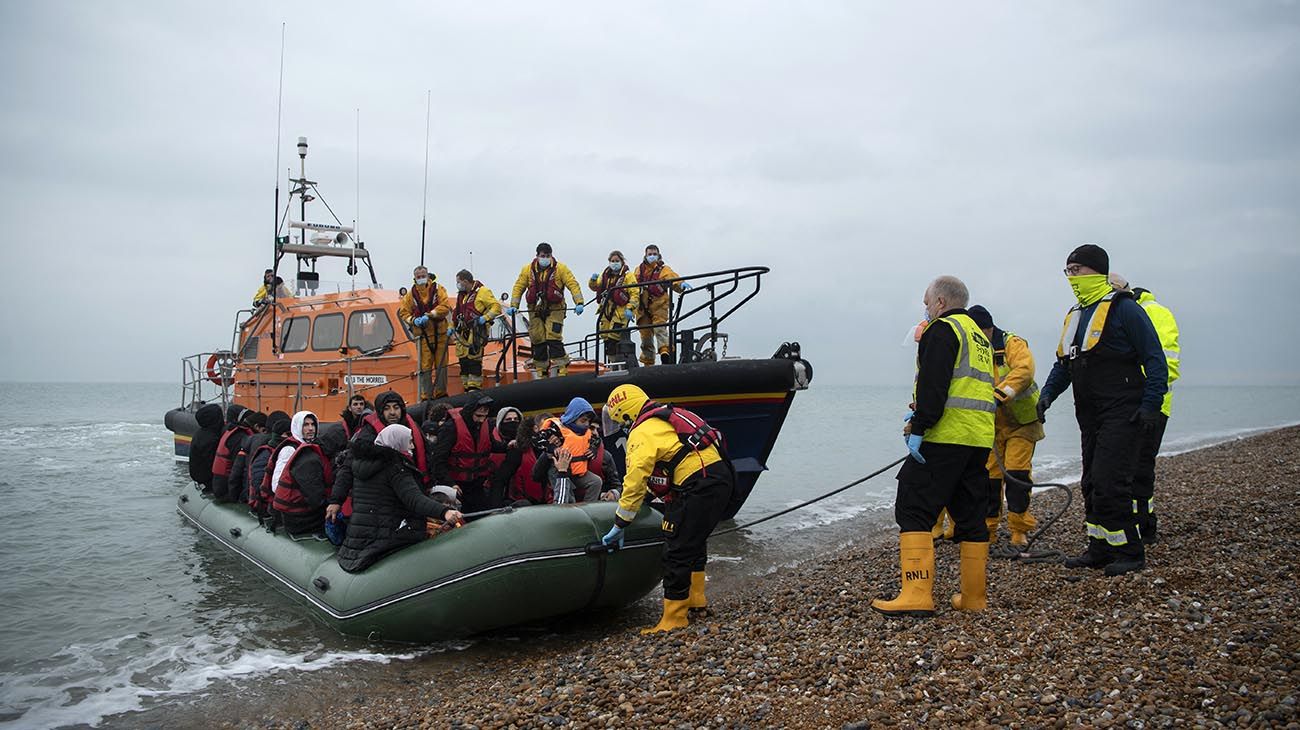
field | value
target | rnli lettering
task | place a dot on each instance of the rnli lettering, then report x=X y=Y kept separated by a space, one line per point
x=668 y=527
x=918 y=575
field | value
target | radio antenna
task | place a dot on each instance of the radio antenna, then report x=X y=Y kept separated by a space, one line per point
x=275 y=261
x=424 y=216
x=356 y=216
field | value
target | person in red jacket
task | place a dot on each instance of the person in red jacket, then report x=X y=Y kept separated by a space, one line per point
x=462 y=454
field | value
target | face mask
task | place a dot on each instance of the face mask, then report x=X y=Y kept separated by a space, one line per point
x=422 y=281
x=616 y=266
x=543 y=261
x=1090 y=288
x=651 y=258
x=509 y=429
x=578 y=428
x=462 y=286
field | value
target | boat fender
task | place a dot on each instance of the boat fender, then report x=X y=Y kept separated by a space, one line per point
x=321 y=582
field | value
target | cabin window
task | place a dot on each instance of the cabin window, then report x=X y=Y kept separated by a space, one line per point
x=369 y=330
x=294 y=334
x=249 y=352
x=327 y=332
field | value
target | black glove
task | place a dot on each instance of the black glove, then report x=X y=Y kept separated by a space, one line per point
x=1043 y=405
x=1148 y=420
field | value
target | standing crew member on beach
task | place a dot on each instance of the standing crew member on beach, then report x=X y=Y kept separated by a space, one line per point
x=424 y=310
x=1016 y=429
x=475 y=309
x=617 y=306
x=682 y=460
x=1110 y=353
x=544 y=280
x=652 y=314
x=948 y=439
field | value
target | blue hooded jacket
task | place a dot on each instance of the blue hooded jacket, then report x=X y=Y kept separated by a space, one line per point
x=577 y=408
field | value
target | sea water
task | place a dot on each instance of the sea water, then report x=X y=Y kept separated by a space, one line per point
x=113 y=604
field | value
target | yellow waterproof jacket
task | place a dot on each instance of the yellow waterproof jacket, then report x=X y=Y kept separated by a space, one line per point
x=1167 y=329
x=614 y=315
x=650 y=443
x=484 y=304
x=262 y=293
x=1021 y=376
x=562 y=275
x=656 y=305
x=433 y=302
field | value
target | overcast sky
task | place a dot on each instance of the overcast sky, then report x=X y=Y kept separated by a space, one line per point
x=858 y=149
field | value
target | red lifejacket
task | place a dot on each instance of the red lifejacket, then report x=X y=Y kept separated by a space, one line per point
x=259 y=500
x=470 y=460
x=466 y=313
x=521 y=484
x=545 y=284
x=609 y=280
x=417 y=436
x=651 y=274
x=224 y=459
x=420 y=306
x=264 y=492
x=288 y=497
x=694 y=432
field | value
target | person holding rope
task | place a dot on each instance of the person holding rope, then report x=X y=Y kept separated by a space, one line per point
x=544 y=280
x=652 y=313
x=424 y=310
x=617 y=306
x=681 y=459
x=948 y=436
x=1016 y=430
x=475 y=309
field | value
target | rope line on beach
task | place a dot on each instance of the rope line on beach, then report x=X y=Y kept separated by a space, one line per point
x=1028 y=554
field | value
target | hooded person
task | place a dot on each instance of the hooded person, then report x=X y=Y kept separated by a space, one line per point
x=584 y=444
x=389 y=409
x=262 y=450
x=203 y=445
x=389 y=505
x=304 y=478
x=239 y=428
x=240 y=470
x=513 y=459
x=462 y=454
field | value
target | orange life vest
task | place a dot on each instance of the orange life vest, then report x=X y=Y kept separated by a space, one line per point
x=585 y=452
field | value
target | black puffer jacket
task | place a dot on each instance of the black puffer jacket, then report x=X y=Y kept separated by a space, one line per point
x=203 y=446
x=388 y=508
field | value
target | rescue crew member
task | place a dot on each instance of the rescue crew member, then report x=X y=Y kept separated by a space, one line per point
x=948 y=439
x=543 y=281
x=1016 y=429
x=617 y=306
x=682 y=460
x=1144 y=481
x=424 y=310
x=1110 y=353
x=391 y=410
x=352 y=415
x=462 y=454
x=475 y=309
x=272 y=288
x=652 y=307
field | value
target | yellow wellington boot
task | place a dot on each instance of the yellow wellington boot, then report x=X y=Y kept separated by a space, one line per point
x=936 y=532
x=974 y=577
x=696 y=599
x=1021 y=524
x=916 y=597
x=674 y=617
x=992 y=524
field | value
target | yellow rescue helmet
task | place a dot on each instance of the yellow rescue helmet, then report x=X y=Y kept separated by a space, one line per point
x=624 y=404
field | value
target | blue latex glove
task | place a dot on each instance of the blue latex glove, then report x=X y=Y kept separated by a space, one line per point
x=577 y=309
x=482 y=319
x=512 y=311
x=615 y=534
x=686 y=286
x=594 y=277
x=914 y=446
x=421 y=320
x=908 y=417
x=630 y=316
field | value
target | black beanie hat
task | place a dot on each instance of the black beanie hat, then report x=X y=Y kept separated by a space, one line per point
x=982 y=318
x=1092 y=256
x=544 y=247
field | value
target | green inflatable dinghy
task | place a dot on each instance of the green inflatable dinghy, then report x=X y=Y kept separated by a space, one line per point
x=528 y=565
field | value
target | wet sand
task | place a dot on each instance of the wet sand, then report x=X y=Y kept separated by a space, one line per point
x=1207 y=635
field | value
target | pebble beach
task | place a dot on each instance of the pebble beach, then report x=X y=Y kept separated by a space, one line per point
x=1207 y=636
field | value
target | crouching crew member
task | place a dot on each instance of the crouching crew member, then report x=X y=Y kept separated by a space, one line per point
x=1111 y=355
x=389 y=506
x=462 y=454
x=948 y=439
x=475 y=309
x=544 y=280
x=1016 y=429
x=424 y=310
x=682 y=461
x=617 y=306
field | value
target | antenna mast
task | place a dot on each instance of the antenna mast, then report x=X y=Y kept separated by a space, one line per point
x=424 y=216
x=275 y=262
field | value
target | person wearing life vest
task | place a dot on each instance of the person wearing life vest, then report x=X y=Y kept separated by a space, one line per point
x=948 y=436
x=576 y=435
x=1016 y=429
x=389 y=409
x=241 y=470
x=617 y=306
x=679 y=458
x=652 y=307
x=1144 y=479
x=513 y=459
x=302 y=477
x=352 y=415
x=462 y=455
x=475 y=309
x=425 y=311
x=261 y=463
x=1110 y=353
x=542 y=283
x=226 y=485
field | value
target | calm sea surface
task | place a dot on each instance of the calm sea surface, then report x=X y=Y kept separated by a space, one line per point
x=113 y=604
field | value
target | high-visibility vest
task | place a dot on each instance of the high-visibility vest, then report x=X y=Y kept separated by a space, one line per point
x=1167 y=329
x=1023 y=405
x=1096 y=324
x=968 y=413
